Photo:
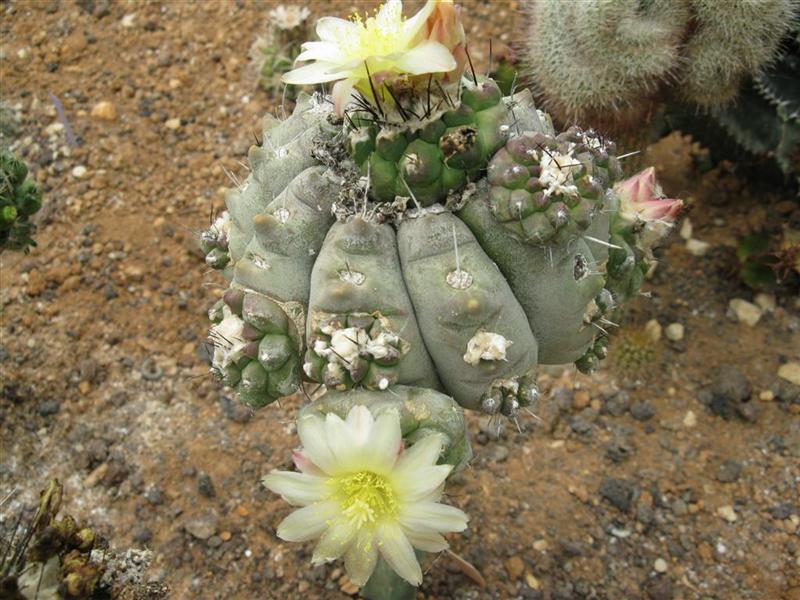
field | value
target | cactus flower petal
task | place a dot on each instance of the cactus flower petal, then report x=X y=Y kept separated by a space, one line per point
x=363 y=495
x=641 y=199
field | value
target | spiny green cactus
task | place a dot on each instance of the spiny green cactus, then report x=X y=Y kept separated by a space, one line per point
x=547 y=189
x=19 y=200
x=612 y=62
x=437 y=158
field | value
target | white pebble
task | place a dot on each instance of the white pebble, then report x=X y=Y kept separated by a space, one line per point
x=173 y=123
x=686 y=229
x=660 y=565
x=766 y=302
x=790 y=371
x=744 y=311
x=674 y=332
x=726 y=512
x=653 y=330
x=697 y=247
x=127 y=20
x=690 y=419
x=79 y=172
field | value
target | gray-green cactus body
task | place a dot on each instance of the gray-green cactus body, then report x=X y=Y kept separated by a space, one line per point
x=422 y=412
x=338 y=286
x=474 y=328
x=361 y=328
x=284 y=152
x=287 y=236
x=555 y=285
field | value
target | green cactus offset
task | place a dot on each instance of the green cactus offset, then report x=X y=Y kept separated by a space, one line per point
x=19 y=200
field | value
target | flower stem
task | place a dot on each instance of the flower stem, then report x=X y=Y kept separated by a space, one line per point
x=385 y=584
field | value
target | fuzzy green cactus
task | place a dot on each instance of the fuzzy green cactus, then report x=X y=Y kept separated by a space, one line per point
x=19 y=200
x=726 y=72
x=413 y=246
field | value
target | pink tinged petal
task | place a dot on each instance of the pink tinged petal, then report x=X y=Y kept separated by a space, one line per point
x=304 y=464
x=432 y=516
x=384 y=441
x=427 y=542
x=307 y=523
x=424 y=453
x=311 y=430
x=427 y=57
x=298 y=489
x=415 y=26
x=332 y=29
x=317 y=72
x=341 y=94
x=397 y=551
x=423 y=484
x=324 y=51
x=335 y=541
x=361 y=557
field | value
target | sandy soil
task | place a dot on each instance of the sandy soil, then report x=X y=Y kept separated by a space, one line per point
x=679 y=481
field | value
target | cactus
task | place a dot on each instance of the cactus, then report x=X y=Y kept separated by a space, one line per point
x=19 y=200
x=720 y=70
x=52 y=558
x=415 y=245
x=589 y=59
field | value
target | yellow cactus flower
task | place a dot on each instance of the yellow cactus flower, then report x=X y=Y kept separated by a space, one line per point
x=363 y=495
x=383 y=45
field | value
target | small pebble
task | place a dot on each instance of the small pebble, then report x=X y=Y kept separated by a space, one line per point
x=766 y=396
x=653 y=330
x=173 y=124
x=642 y=411
x=790 y=371
x=766 y=302
x=689 y=419
x=697 y=248
x=729 y=471
x=79 y=172
x=660 y=565
x=674 y=332
x=686 y=229
x=105 y=111
x=726 y=512
x=744 y=312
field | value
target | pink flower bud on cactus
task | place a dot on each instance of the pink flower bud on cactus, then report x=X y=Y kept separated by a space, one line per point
x=641 y=199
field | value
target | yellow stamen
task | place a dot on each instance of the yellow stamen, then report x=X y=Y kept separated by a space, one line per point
x=365 y=497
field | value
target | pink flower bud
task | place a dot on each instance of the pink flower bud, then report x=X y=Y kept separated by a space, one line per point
x=641 y=199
